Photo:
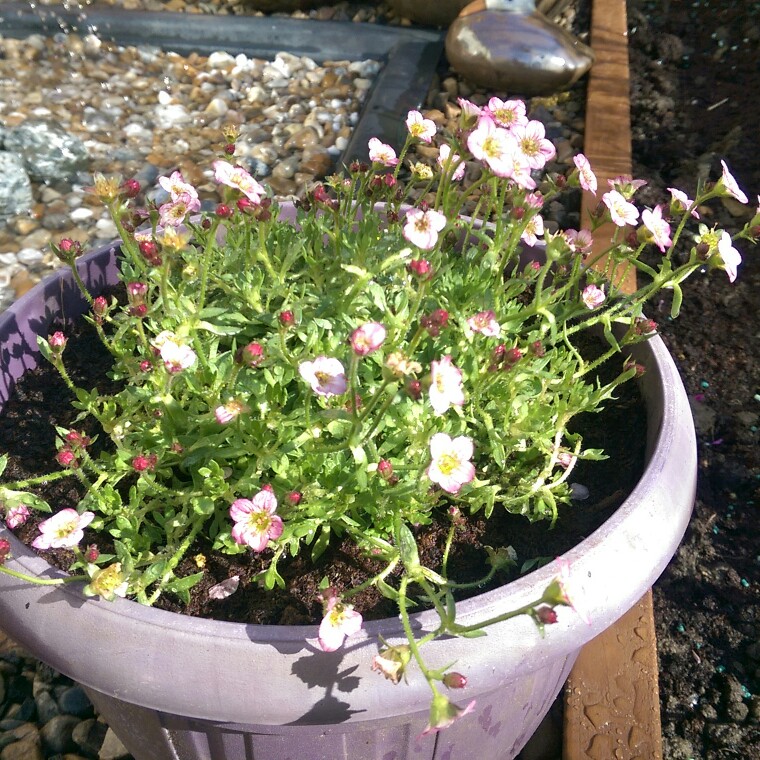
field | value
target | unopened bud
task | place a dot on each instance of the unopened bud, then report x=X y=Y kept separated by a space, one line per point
x=224 y=211
x=5 y=550
x=65 y=457
x=454 y=680
x=511 y=357
x=639 y=369
x=414 y=389
x=546 y=615
x=385 y=469
x=251 y=355
x=421 y=268
x=57 y=342
x=100 y=306
x=91 y=553
x=130 y=188
x=287 y=318
x=294 y=498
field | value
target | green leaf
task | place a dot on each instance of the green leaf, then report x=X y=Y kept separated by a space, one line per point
x=677 y=300
x=3 y=463
x=407 y=547
x=10 y=498
x=322 y=542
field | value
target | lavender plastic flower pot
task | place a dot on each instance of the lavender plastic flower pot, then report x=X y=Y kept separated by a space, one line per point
x=182 y=688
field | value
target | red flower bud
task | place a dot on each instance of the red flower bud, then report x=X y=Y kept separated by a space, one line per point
x=414 y=389
x=91 y=553
x=5 y=549
x=57 y=342
x=511 y=357
x=251 y=355
x=130 y=188
x=141 y=462
x=287 y=318
x=294 y=498
x=546 y=615
x=385 y=469
x=421 y=268
x=246 y=206
x=146 y=365
x=65 y=457
x=454 y=680
x=100 y=306
x=229 y=149
x=224 y=211
x=267 y=487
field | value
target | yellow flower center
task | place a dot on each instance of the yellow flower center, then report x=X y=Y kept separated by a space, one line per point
x=447 y=464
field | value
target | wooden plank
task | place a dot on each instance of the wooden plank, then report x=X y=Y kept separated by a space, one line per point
x=607 y=143
x=612 y=706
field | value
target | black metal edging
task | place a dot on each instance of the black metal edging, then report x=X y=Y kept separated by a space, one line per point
x=410 y=55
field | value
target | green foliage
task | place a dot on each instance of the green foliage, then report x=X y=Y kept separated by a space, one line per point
x=217 y=406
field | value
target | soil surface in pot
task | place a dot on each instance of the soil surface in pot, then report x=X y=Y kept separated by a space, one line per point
x=695 y=67
x=42 y=401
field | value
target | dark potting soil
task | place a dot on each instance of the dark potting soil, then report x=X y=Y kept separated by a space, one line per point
x=695 y=73
x=41 y=400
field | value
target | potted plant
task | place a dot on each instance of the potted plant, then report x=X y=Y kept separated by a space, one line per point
x=368 y=370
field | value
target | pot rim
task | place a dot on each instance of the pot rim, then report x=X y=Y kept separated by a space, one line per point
x=603 y=590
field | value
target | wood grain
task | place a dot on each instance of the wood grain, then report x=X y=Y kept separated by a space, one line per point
x=612 y=706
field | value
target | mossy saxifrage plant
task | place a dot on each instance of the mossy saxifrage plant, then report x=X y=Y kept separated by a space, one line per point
x=354 y=371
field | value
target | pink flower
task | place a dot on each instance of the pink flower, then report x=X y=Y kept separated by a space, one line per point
x=452 y=160
x=422 y=227
x=176 y=357
x=173 y=214
x=494 y=146
x=682 y=202
x=16 y=516
x=225 y=413
x=367 y=338
x=340 y=620
x=507 y=113
x=586 y=177
x=419 y=127
x=533 y=230
x=381 y=153
x=469 y=109
x=451 y=467
x=63 y=530
x=730 y=256
x=592 y=296
x=532 y=143
x=446 y=385
x=484 y=322
x=325 y=375
x=521 y=171
x=658 y=227
x=256 y=523
x=235 y=176
x=729 y=185
x=176 y=186
x=626 y=185
x=579 y=241
x=443 y=713
x=621 y=211
x=565 y=459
